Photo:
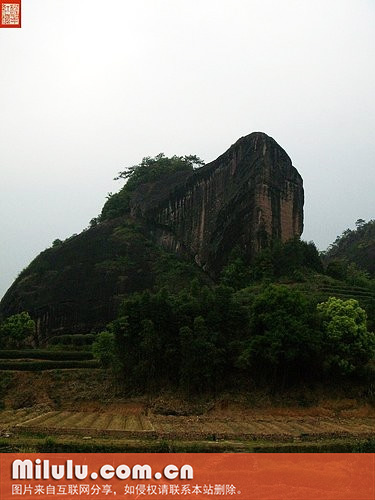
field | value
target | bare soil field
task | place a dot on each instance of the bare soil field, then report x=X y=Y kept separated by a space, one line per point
x=130 y=420
x=88 y=404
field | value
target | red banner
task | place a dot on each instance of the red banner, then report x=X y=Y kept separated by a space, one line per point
x=10 y=12
x=247 y=476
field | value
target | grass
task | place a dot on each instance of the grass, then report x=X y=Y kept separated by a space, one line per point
x=38 y=365
x=43 y=354
x=43 y=359
x=71 y=444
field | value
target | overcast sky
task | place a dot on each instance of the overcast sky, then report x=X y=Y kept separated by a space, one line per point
x=88 y=87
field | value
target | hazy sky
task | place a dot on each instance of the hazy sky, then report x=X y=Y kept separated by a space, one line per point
x=88 y=87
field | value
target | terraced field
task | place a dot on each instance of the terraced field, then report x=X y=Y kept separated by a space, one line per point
x=281 y=428
x=68 y=404
x=323 y=291
x=86 y=423
x=39 y=360
x=9 y=418
x=271 y=428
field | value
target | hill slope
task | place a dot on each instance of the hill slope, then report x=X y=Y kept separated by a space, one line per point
x=75 y=287
x=247 y=197
x=356 y=246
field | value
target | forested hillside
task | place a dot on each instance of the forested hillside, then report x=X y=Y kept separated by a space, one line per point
x=355 y=245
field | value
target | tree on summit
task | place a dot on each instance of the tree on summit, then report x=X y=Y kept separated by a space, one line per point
x=149 y=170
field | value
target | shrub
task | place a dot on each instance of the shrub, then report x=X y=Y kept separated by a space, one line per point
x=41 y=354
x=46 y=365
x=104 y=349
x=283 y=343
x=17 y=331
x=348 y=345
x=77 y=340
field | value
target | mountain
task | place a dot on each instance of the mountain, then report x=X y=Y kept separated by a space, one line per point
x=356 y=246
x=187 y=222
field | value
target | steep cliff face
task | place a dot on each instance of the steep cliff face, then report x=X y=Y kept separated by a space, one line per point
x=248 y=196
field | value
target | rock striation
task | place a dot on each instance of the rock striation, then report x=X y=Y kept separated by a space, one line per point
x=249 y=196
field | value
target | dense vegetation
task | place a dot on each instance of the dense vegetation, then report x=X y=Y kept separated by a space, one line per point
x=17 y=331
x=260 y=324
x=149 y=170
x=212 y=338
x=207 y=340
x=283 y=318
x=98 y=268
x=292 y=259
x=353 y=246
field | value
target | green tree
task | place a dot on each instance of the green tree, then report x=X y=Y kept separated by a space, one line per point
x=149 y=170
x=356 y=246
x=144 y=318
x=152 y=169
x=356 y=276
x=17 y=331
x=199 y=357
x=295 y=255
x=104 y=349
x=150 y=335
x=337 y=269
x=360 y=223
x=236 y=273
x=288 y=259
x=263 y=266
x=150 y=354
x=283 y=342
x=348 y=344
x=56 y=243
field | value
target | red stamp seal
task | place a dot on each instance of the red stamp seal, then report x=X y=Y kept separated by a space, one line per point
x=10 y=12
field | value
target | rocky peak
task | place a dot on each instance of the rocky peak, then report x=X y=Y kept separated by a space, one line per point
x=247 y=197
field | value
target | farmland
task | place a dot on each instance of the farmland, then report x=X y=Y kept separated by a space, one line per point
x=127 y=424
x=84 y=409
x=92 y=432
x=260 y=426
